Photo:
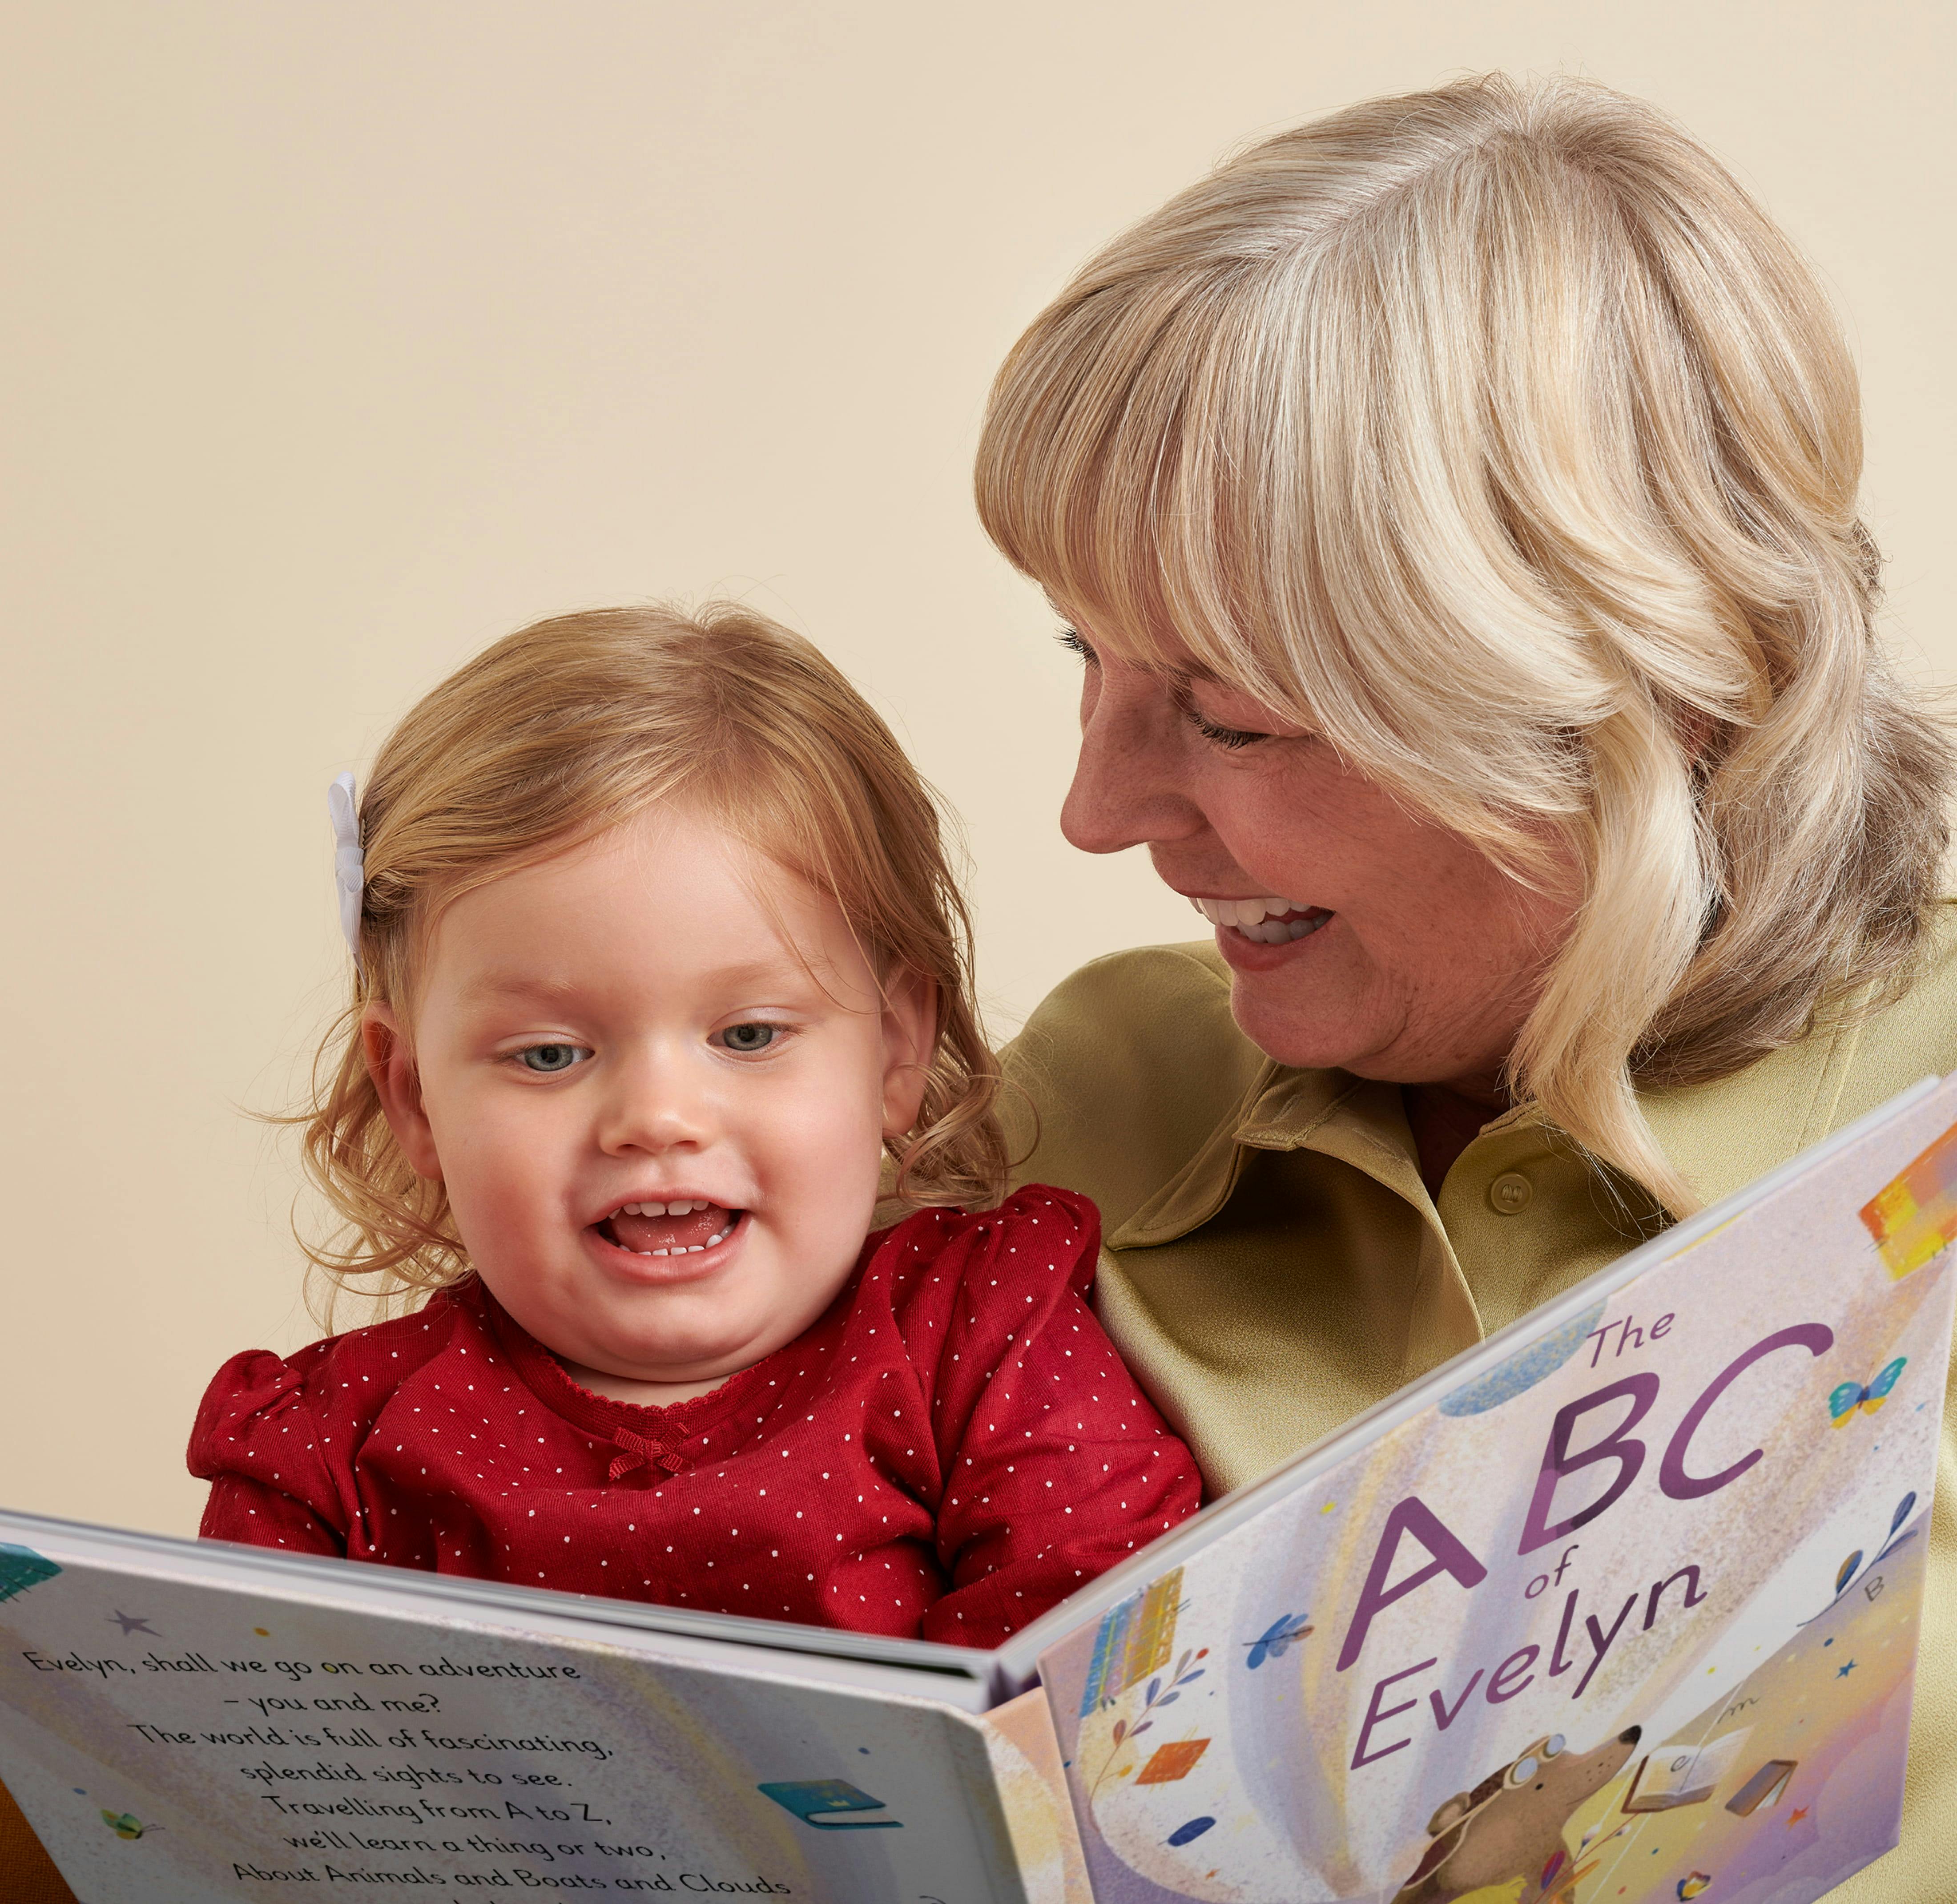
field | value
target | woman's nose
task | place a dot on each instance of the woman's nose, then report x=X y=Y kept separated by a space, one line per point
x=1129 y=784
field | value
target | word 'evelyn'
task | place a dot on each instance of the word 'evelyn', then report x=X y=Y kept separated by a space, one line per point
x=1448 y=1553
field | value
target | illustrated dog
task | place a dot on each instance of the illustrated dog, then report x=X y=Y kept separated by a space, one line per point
x=1511 y=1825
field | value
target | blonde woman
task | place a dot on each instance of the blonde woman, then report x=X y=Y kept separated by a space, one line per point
x=1453 y=504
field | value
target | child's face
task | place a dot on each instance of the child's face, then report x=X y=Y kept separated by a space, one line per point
x=626 y=1026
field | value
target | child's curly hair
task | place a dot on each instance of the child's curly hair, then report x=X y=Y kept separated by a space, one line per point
x=566 y=728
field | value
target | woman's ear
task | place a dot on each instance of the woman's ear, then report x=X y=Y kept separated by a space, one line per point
x=390 y=1064
x=910 y=1037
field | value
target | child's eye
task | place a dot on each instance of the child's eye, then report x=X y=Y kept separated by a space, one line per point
x=749 y=1038
x=545 y=1059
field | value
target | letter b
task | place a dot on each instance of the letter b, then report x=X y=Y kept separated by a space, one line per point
x=1619 y=1446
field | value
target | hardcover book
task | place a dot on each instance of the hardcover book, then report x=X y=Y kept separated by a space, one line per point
x=1621 y=1604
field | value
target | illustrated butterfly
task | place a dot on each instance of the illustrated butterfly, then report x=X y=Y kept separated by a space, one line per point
x=1275 y=1641
x=1843 y=1402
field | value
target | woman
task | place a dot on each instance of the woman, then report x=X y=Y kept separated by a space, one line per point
x=1453 y=502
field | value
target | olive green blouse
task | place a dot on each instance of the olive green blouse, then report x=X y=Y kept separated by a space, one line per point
x=1272 y=1263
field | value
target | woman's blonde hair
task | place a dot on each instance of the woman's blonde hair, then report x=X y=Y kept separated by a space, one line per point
x=567 y=728
x=1495 y=433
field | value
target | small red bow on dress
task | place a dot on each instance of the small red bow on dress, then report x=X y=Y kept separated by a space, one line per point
x=635 y=1449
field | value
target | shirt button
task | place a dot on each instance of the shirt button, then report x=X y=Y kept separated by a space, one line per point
x=1510 y=1193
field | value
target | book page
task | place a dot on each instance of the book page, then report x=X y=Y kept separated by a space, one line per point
x=172 y=1740
x=1032 y=1789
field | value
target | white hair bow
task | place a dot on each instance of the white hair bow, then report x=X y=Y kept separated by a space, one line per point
x=349 y=864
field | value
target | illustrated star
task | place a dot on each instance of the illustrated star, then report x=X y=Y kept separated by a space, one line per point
x=1842 y=1672
x=1795 y=1817
x=130 y=1624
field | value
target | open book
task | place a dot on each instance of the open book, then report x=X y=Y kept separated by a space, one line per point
x=1621 y=1604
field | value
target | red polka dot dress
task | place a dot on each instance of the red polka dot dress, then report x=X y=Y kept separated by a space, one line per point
x=952 y=1449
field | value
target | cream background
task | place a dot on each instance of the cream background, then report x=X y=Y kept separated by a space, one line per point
x=338 y=341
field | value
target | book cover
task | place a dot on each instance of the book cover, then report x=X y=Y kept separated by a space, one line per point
x=1628 y=1614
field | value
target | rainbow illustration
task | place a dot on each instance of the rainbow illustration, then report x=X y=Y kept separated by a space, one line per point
x=1134 y=1640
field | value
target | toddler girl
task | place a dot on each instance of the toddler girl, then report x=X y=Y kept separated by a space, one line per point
x=657 y=961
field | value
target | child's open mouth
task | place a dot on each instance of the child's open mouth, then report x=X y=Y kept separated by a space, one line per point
x=683 y=1228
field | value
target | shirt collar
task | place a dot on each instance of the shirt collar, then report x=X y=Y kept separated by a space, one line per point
x=1720 y=1136
x=1351 y=1119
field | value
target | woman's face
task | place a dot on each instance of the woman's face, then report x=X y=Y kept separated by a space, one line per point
x=1403 y=953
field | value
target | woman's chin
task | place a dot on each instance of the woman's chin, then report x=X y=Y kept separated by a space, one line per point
x=1308 y=1011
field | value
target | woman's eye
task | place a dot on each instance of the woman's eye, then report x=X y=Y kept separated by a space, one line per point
x=749 y=1038
x=1075 y=643
x=1215 y=732
x=545 y=1059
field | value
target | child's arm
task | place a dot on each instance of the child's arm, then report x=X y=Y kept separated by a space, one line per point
x=257 y=1442
x=1056 y=1465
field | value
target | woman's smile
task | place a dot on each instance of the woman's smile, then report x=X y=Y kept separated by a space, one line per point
x=1271 y=922
x=1276 y=943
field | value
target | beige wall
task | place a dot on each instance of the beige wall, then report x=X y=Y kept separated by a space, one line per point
x=340 y=340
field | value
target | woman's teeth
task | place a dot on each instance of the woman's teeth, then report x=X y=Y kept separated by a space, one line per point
x=1264 y=920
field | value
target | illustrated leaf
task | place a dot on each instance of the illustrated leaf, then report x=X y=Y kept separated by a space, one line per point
x=1155 y=1687
x=1183 y=1661
x=1188 y=1676
x=1121 y=1730
x=1141 y=1728
x=1170 y=1699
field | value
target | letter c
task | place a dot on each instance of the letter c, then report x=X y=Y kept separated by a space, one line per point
x=1816 y=1338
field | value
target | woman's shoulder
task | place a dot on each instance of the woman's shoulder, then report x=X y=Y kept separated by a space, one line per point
x=1913 y=1034
x=1124 y=1070
x=1724 y=1134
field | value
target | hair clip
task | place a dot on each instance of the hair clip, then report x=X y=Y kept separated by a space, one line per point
x=349 y=863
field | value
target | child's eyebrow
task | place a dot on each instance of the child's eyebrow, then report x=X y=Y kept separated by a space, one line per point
x=489 y=987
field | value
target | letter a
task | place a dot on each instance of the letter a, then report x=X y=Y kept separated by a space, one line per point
x=1412 y=1516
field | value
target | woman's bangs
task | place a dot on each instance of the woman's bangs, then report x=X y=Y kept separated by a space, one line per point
x=1089 y=476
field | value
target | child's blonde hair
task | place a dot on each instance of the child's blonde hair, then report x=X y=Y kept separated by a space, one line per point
x=571 y=726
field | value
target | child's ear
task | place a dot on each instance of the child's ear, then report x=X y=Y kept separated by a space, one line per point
x=390 y=1064
x=910 y=1037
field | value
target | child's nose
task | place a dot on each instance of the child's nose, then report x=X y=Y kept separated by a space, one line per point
x=656 y=1105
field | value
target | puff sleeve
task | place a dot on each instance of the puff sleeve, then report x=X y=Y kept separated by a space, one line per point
x=257 y=1442
x=1056 y=1465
